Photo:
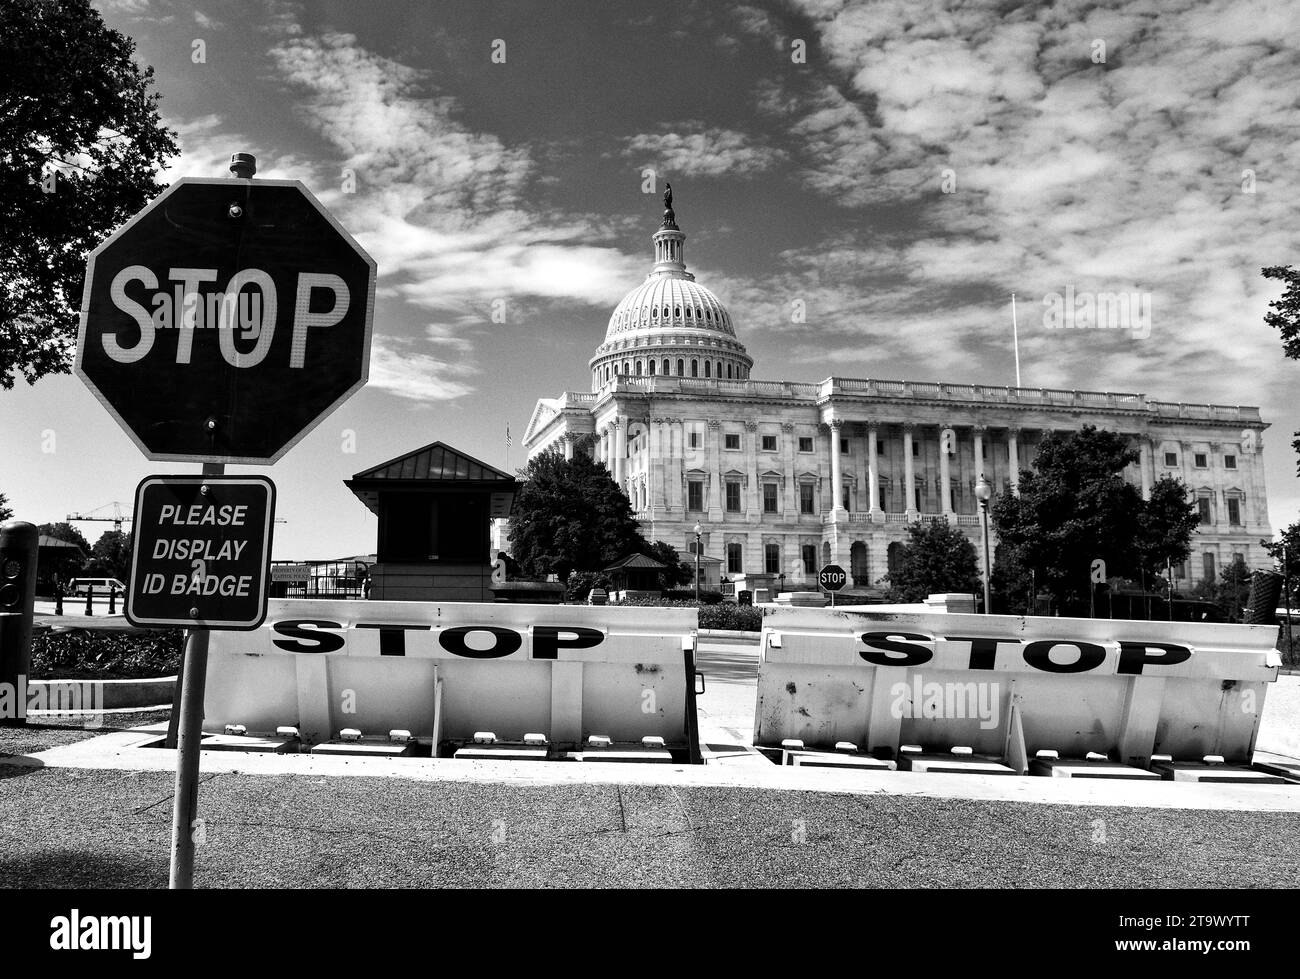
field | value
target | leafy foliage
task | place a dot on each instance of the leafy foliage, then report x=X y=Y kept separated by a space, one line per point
x=571 y=516
x=1231 y=592
x=86 y=654
x=111 y=556
x=936 y=558
x=1075 y=507
x=80 y=146
x=1288 y=543
x=5 y=511
x=1284 y=314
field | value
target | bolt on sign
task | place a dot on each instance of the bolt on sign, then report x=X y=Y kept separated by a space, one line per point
x=201 y=551
x=226 y=320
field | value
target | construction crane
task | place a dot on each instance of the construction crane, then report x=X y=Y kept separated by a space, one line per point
x=118 y=517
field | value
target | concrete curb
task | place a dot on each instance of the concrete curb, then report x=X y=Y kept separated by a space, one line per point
x=115 y=694
x=717 y=634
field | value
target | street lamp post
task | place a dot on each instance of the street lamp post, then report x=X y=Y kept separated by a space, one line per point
x=983 y=492
x=697 y=564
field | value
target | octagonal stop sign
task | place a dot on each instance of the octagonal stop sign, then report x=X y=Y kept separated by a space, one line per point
x=225 y=320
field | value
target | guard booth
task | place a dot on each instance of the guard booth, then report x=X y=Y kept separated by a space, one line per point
x=435 y=507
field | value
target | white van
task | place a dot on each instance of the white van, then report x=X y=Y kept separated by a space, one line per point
x=80 y=586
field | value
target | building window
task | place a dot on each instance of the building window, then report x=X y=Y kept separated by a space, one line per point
x=848 y=497
x=695 y=438
x=733 y=497
x=844 y=447
x=805 y=443
x=809 y=552
x=1234 y=511
x=638 y=367
x=1171 y=459
x=708 y=368
x=652 y=366
x=769 y=497
x=807 y=498
x=1207 y=565
x=916 y=448
x=1229 y=462
x=695 y=368
x=681 y=367
x=732 y=440
x=769 y=443
x=1200 y=460
x=772 y=558
x=728 y=372
x=1203 y=507
x=695 y=495
x=1180 y=569
x=734 y=554
x=880 y=447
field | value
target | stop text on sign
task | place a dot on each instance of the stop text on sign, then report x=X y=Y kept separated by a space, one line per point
x=1126 y=657
x=246 y=309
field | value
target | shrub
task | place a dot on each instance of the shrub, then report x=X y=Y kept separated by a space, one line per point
x=91 y=654
x=732 y=617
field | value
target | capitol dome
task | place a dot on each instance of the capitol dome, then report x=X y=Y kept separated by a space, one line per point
x=670 y=324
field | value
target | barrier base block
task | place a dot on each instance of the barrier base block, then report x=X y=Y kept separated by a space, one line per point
x=501 y=752
x=952 y=764
x=826 y=759
x=1078 y=768
x=1287 y=770
x=628 y=753
x=1198 y=771
x=243 y=742
x=369 y=749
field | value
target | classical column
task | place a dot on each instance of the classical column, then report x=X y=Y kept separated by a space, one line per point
x=1013 y=458
x=873 y=472
x=715 y=470
x=980 y=467
x=837 y=488
x=567 y=438
x=945 y=476
x=1145 y=464
x=790 y=509
x=620 y=451
x=909 y=474
x=753 y=504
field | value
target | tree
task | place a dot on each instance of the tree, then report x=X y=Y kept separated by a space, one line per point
x=678 y=571
x=80 y=146
x=68 y=564
x=5 y=511
x=1284 y=314
x=571 y=516
x=1231 y=592
x=937 y=558
x=1075 y=507
x=111 y=556
x=1288 y=543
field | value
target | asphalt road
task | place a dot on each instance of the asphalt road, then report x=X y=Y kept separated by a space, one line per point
x=71 y=828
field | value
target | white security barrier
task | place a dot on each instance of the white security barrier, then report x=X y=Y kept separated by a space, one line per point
x=1010 y=687
x=446 y=671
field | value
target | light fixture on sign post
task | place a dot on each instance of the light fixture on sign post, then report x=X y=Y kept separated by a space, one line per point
x=697 y=564
x=983 y=493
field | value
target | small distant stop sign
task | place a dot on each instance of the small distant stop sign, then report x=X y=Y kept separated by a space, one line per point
x=226 y=320
x=832 y=577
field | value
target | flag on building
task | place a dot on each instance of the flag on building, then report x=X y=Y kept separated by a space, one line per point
x=509 y=440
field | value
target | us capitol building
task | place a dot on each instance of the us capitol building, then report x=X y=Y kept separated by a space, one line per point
x=786 y=476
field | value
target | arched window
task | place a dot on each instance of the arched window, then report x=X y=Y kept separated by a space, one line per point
x=708 y=367
x=606 y=372
x=667 y=366
x=695 y=368
x=728 y=372
x=679 y=312
x=655 y=312
x=652 y=367
x=625 y=367
x=638 y=367
x=666 y=313
x=681 y=367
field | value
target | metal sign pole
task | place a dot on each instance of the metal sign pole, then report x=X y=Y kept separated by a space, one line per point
x=185 y=800
x=1286 y=600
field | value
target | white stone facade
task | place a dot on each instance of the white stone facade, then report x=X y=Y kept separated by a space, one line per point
x=758 y=463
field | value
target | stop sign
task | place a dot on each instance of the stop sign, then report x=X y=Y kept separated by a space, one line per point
x=225 y=320
x=832 y=577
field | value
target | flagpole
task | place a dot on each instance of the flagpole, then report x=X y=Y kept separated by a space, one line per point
x=1015 y=337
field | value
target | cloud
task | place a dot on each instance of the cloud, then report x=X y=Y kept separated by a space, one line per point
x=693 y=150
x=401 y=370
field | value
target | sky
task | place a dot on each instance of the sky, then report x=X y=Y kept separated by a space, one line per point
x=894 y=169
